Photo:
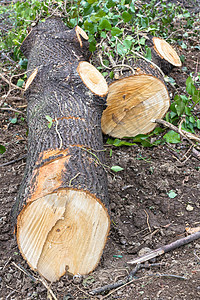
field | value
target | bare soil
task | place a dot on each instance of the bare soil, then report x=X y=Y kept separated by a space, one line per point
x=142 y=215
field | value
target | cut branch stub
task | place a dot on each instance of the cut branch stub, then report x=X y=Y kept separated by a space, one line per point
x=131 y=104
x=163 y=54
x=92 y=78
x=61 y=209
x=166 y=51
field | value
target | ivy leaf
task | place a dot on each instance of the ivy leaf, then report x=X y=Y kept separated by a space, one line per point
x=121 y=50
x=180 y=107
x=91 y=1
x=20 y=83
x=105 y=24
x=171 y=194
x=172 y=137
x=2 y=149
x=116 y=168
x=90 y=27
x=127 y=44
x=13 y=120
x=198 y=124
x=115 y=31
x=148 y=54
x=126 y=16
x=50 y=121
x=119 y=143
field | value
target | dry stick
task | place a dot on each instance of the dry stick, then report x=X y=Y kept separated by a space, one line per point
x=117 y=284
x=121 y=283
x=35 y=279
x=148 y=221
x=13 y=161
x=12 y=109
x=166 y=248
x=25 y=272
x=187 y=135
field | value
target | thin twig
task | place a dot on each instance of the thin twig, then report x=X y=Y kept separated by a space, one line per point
x=147 y=220
x=144 y=58
x=12 y=109
x=187 y=135
x=36 y=279
x=117 y=284
x=126 y=66
x=13 y=161
x=25 y=272
x=166 y=248
x=60 y=138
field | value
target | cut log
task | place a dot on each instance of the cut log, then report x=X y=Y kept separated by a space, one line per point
x=163 y=54
x=132 y=103
x=61 y=211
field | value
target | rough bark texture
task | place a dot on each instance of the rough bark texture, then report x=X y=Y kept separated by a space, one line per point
x=74 y=137
x=58 y=91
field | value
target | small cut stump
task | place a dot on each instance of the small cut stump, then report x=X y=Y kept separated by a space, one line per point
x=135 y=100
x=61 y=215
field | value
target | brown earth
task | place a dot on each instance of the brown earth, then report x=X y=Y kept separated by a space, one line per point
x=142 y=215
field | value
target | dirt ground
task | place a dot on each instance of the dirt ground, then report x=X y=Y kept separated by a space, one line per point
x=142 y=215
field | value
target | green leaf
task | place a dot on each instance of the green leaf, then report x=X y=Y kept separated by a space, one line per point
x=192 y=120
x=127 y=44
x=20 y=83
x=104 y=24
x=126 y=16
x=2 y=149
x=183 y=45
x=148 y=53
x=172 y=137
x=13 y=120
x=171 y=194
x=116 y=168
x=98 y=16
x=190 y=88
x=50 y=121
x=111 y=75
x=118 y=142
x=91 y=27
x=111 y=3
x=180 y=107
x=92 y=46
x=115 y=31
x=91 y=1
x=103 y=34
x=142 y=41
x=198 y=124
x=121 y=49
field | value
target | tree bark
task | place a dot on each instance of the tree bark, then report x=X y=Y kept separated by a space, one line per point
x=61 y=209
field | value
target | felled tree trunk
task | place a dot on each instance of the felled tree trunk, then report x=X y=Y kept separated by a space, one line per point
x=61 y=210
x=134 y=100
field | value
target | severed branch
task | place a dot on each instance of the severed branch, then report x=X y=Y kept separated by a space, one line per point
x=186 y=135
x=117 y=284
x=121 y=283
x=13 y=161
x=166 y=248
